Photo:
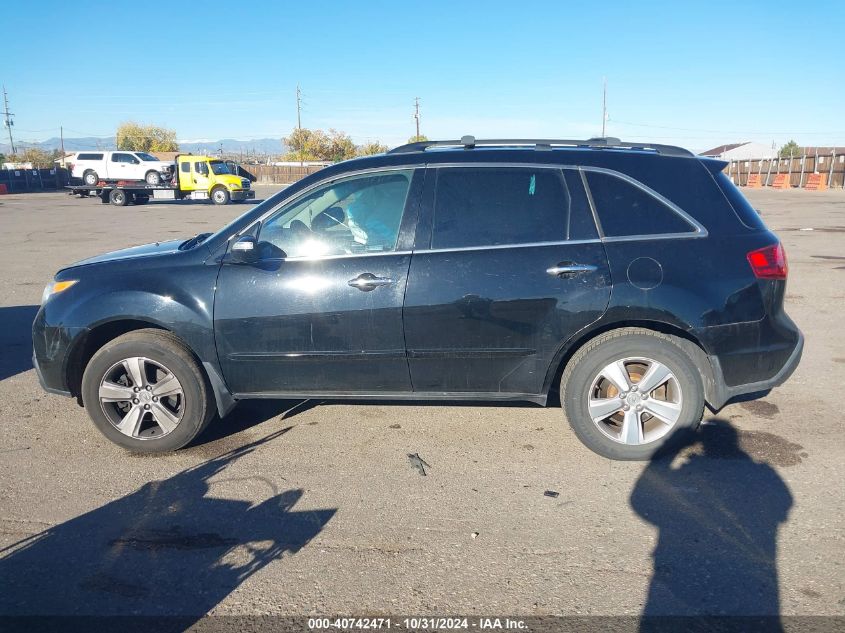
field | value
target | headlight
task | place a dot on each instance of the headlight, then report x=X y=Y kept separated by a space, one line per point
x=234 y=185
x=56 y=287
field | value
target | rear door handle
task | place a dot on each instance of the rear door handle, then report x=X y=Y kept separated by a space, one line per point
x=368 y=281
x=569 y=269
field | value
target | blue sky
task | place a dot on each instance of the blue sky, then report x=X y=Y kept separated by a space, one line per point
x=693 y=73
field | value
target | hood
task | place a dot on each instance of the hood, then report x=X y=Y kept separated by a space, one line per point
x=135 y=252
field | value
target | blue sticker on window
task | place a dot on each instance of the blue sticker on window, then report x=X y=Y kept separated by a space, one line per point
x=533 y=185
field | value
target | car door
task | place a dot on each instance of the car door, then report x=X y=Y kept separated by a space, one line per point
x=199 y=175
x=137 y=168
x=320 y=312
x=120 y=166
x=513 y=267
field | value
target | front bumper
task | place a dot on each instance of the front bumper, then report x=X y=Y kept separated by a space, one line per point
x=51 y=345
x=243 y=194
x=46 y=387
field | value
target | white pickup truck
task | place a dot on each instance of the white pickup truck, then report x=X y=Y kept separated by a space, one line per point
x=94 y=166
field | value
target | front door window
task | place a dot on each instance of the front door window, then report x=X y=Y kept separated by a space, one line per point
x=351 y=216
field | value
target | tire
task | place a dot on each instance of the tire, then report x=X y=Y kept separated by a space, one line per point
x=594 y=406
x=220 y=195
x=118 y=197
x=153 y=424
x=90 y=178
x=142 y=199
x=153 y=178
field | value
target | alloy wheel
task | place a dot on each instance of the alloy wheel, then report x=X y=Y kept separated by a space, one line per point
x=142 y=398
x=635 y=400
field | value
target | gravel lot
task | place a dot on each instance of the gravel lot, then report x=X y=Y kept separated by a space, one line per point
x=295 y=508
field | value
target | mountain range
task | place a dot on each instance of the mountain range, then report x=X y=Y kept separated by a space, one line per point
x=273 y=146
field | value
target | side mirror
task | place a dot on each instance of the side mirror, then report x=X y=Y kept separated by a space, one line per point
x=245 y=250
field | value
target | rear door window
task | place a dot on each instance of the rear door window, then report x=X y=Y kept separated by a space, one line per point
x=626 y=210
x=492 y=206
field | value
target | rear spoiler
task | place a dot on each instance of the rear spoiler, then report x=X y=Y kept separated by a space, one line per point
x=713 y=165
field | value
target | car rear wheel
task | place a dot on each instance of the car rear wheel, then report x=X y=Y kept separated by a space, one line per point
x=90 y=178
x=153 y=178
x=628 y=392
x=144 y=391
x=220 y=196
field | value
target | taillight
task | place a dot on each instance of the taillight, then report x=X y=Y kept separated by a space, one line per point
x=769 y=262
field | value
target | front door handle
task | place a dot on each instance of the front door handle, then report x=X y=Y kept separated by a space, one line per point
x=568 y=269
x=368 y=281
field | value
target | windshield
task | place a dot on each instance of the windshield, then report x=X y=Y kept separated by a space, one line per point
x=146 y=157
x=219 y=167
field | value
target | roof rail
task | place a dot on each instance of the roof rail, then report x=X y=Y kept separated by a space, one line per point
x=470 y=142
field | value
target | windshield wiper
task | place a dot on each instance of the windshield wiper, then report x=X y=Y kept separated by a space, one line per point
x=197 y=239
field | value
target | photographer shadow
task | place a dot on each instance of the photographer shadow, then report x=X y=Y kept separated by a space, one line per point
x=718 y=514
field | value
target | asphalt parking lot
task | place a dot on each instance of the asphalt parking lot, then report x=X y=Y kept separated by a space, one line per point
x=316 y=508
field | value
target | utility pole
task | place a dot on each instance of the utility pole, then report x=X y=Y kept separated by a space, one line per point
x=7 y=119
x=417 y=116
x=62 y=143
x=603 y=107
x=298 y=108
x=299 y=123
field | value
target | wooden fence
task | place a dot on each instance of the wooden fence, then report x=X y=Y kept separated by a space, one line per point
x=797 y=169
x=282 y=174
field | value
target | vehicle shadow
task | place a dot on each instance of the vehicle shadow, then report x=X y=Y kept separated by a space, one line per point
x=172 y=548
x=718 y=512
x=252 y=413
x=16 y=339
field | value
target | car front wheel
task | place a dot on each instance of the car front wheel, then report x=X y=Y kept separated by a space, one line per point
x=629 y=391
x=144 y=391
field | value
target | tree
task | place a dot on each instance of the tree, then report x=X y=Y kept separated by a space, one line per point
x=418 y=139
x=308 y=144
x=145 y=138
x=2 y=158
x=789 y=150
x=40 y=158
x=368 y=149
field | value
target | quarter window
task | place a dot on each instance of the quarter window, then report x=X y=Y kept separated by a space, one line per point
x=625 y=209
x=356 y=215
x=89 y=157
x=489 y=206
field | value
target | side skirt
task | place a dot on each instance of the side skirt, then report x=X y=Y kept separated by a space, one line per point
x=462 y=396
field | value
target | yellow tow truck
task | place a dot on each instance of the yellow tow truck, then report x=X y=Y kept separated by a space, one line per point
x=192 y=178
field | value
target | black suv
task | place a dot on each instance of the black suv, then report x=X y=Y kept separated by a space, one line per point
x=633 y=278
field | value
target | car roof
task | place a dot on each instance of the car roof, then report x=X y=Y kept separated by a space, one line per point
x=594 y=152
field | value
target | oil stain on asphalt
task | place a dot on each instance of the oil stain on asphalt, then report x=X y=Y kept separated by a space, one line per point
x=762 y=408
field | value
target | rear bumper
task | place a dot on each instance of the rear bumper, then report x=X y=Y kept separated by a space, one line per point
x=723 y=393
